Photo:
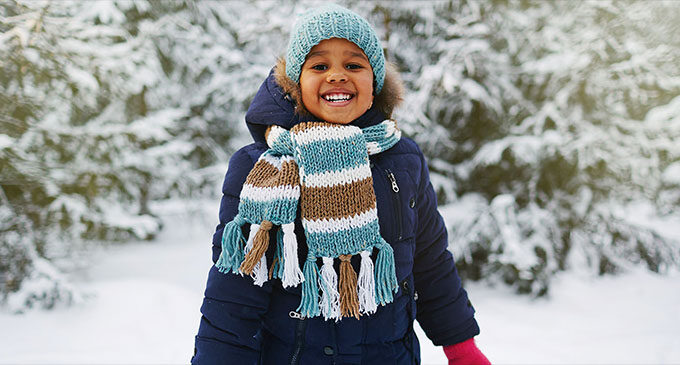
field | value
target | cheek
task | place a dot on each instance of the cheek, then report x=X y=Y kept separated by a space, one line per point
x=367 y=83
x=366 y=89
x=307 y=89
x=305 y=94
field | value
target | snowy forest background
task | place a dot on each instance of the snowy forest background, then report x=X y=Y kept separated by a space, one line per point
x=551 y=128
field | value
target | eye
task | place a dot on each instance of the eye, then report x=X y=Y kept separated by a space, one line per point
x=354 y=66
x=320 y=67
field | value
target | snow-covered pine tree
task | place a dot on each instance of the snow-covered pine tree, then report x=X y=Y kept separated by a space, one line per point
x=524 y=109
x=110 y=107
x=83 y=149
x=534 y=118
x=219 y=52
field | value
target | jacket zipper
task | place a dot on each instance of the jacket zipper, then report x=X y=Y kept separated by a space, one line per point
x=299 y=336
x=397 y=201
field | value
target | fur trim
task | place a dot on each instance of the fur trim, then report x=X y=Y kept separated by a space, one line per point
x=391 y=95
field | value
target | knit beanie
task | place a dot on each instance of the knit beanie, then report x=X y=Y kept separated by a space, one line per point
x=333 y=21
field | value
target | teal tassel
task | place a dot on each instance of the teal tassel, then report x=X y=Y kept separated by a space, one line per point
x=309 y=306
x=385 y=277
x=278 y=263
x=233 y=243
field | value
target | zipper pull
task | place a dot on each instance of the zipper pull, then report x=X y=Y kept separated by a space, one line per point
x=296 y=315
x=393 y=180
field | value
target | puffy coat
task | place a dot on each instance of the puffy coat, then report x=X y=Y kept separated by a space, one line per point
x=245 y=324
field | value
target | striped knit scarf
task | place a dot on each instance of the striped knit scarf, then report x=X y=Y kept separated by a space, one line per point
x=324 y=169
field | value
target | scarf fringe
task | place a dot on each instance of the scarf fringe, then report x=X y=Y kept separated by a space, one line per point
x=292 y=275
x=259 y=274
x=366 y=284
x=330 y=298
x=349 y=300
x=260 y=243
x=249 y=243
x=350 y=296
x=276 y=270
x=385 y=276
x=309 y=305
x=232 y=247
x=259 y=271
x=354 y=295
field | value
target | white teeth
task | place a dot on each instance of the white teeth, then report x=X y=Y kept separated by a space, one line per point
x=337 y=97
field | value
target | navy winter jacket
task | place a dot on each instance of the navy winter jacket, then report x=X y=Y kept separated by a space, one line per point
x=246 y=324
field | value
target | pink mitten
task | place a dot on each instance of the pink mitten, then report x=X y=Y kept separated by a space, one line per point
x=465 y=353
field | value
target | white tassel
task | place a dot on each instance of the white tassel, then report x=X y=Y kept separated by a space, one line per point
x=330 y=298
x=366 y=284
x=260 y=274
x=292 y=275
x=251 y=237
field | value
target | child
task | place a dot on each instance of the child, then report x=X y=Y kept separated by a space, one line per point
x=345 y=245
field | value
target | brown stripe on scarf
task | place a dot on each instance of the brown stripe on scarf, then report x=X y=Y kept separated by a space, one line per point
x=300 y=127
x=338 y=201
x=262 y=171
x=267 y=175
x=289 y=173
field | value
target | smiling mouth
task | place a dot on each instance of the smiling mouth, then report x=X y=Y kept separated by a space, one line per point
x=337 y=97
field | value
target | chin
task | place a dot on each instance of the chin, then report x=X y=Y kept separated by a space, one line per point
x=341 y=119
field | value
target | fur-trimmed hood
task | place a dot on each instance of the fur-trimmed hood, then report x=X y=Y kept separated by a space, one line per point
x=279 y=102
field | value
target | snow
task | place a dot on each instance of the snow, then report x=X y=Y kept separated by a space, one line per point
x=515 y=251
x=5 y=141
x=143 y=226
x=44 y=287
x=105 y=11
x=630 y=319
x=526 y=149
x=644 y=214
x=143 y=301
x=142 y=305
x=671 y=175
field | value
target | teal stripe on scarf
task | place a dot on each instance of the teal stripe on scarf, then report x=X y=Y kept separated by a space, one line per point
x=277 y=211
x=375 y=133
x=329 y=156
x=350 y=241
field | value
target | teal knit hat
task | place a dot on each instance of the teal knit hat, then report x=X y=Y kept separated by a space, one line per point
x=333 y=21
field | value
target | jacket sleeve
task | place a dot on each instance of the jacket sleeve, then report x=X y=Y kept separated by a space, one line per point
x=233 y=306
x=443 y=309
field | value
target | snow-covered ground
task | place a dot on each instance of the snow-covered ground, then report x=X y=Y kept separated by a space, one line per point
x=144 y=301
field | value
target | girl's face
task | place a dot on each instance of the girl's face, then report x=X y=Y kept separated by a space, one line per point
x=337 y=81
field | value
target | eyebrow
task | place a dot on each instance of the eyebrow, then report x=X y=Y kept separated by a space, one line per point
x=351 y=53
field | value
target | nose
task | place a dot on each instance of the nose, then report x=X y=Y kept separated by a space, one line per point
x=336 y=76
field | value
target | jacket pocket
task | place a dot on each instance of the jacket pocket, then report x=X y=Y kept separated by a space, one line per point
x=396 y=200
x=395 y=193
x=405 y=202
x=396 y=203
